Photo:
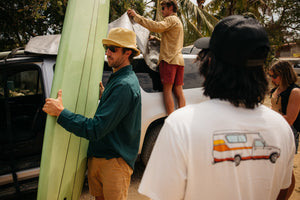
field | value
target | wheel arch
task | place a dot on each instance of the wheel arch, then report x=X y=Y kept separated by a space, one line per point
x=145 y=143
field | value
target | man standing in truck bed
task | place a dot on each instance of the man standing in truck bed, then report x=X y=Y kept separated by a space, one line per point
x=171 y=63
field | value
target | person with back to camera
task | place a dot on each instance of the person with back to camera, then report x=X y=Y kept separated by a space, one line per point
x=114 y=131
x=194 y=155
x=171 y=63
x=285 y=97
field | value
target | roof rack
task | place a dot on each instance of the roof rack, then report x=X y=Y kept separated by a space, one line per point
x=11 y=54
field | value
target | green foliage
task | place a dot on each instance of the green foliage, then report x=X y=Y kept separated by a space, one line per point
x=224 y=8
x=283 y=24
x=280 y=18
x=119 y=7
x=196 y=20
x=21 y=20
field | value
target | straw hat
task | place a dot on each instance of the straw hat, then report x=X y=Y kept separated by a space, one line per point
x=122 y=37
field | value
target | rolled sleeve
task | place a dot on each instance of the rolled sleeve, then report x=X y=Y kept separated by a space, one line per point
x=104 y=121
x=154 y=26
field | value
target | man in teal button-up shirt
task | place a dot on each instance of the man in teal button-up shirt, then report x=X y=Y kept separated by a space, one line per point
x=114 y=131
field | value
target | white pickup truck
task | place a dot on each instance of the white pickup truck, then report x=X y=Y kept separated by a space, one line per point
x=25 y=83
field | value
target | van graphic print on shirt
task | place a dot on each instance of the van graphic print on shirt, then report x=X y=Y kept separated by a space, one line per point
x=238 y=146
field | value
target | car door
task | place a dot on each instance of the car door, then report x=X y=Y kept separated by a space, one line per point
x=22 y=121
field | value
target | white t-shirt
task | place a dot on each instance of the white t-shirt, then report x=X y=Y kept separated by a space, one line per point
x=188 y=163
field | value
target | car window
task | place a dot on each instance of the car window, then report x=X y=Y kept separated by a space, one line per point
x=24 y=83
x=236 y=138
x=21 y=100
x=258 y=143
x=150 y=80
x=192 y=78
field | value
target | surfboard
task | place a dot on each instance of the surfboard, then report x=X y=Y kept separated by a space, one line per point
x=78 y=70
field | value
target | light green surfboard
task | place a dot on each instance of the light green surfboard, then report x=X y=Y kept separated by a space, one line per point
x=78 y=71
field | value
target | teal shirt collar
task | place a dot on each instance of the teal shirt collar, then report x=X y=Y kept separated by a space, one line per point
x=122 y=70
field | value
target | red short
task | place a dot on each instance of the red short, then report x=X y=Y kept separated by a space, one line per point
x=171 y=73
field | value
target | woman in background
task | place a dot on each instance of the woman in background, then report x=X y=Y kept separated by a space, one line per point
x=285 y=96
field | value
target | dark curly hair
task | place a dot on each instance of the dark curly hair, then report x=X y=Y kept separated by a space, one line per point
x=240 y=85
x=131 y=55
x=169 y=3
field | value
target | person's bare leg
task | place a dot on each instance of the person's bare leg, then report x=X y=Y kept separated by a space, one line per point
x=168 y=98
x=179 y=95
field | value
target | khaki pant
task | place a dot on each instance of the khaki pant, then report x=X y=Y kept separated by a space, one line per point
x=109 y=179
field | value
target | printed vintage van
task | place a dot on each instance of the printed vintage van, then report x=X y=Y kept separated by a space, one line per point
x=236 y=146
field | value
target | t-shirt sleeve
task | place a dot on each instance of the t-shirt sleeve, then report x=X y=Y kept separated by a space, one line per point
x=165 y=175
x=290 y=163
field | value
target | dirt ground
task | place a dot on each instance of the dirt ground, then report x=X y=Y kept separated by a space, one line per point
x=296 y=193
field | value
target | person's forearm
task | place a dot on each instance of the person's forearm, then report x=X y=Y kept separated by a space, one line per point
x=289 y=120
x=286 y=193
x=151 y=25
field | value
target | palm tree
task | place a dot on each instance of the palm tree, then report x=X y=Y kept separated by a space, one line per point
x=224 y=8
x=281 y=18
x=196 y=20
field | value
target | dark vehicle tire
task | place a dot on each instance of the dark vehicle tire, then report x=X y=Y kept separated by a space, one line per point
x=273 y=157
x=149 y=142
x=237 y=160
